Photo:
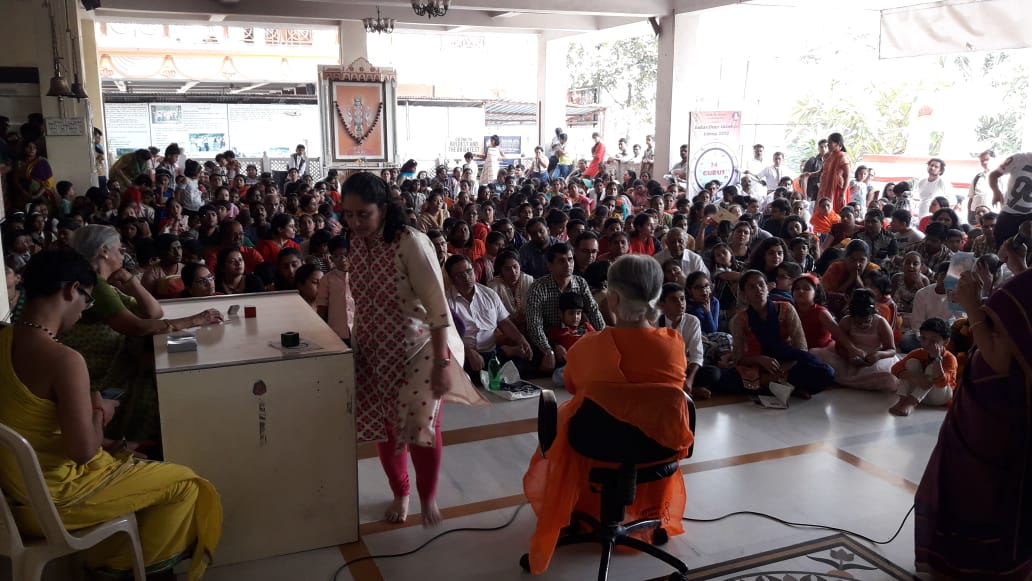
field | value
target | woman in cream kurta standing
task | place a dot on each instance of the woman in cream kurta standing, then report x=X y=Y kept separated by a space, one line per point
x=407 y=358
x=492 y=157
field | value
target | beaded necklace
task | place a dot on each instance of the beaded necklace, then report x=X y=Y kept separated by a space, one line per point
x=41 y=328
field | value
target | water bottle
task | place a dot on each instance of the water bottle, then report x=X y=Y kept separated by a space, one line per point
x=494 y=369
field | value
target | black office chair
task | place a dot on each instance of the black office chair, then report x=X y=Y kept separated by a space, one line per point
x=597 y=435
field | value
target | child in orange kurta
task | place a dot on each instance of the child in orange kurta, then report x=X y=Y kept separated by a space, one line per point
x=824 y=217
x=927 y=374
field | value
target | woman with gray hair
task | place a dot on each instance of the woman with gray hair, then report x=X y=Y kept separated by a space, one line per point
x=113 y=334
x=621 y=368
x=636 y=280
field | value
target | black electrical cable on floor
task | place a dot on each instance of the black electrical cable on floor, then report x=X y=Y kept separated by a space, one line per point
x=430 y=540
x=806 y=525
x=699 y=520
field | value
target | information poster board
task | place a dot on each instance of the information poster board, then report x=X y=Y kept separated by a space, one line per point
x=511 y=144
x=204 y=129
x=713 y=140
x=458 y=146
x=127 y=128
x=276 y=129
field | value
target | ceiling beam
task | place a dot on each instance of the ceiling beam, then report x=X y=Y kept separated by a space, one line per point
x=631 y=8
x=683 y=6
x=328 y=13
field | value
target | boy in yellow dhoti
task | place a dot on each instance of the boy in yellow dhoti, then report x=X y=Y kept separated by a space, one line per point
x=45 y=396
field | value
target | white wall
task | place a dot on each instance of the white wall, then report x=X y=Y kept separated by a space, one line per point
x=424 y=132
x=26 y=43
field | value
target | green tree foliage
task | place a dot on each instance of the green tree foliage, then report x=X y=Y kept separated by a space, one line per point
x=870 y=125
x=624 y=71
x=1001 y=131
x=874 y=116
x=1001 y=128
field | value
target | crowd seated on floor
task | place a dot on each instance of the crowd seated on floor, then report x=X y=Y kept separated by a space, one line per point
x=738 y=256
x=802 y=281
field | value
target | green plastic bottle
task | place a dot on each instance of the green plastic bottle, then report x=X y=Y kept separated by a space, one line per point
x=494 y=369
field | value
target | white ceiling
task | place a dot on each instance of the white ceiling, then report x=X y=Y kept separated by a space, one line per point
x=496 y=15
x=876 y=5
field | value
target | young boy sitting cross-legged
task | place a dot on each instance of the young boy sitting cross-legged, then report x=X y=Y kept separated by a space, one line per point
x=927 y=374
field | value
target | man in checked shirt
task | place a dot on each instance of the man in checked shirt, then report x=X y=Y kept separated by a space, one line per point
x=543 y=305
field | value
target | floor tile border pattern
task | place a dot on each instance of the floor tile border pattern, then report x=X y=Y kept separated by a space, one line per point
x=751 y=561
x=367 y=450
x=368 y=571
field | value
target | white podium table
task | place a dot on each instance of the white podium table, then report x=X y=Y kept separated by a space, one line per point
x=274 y=432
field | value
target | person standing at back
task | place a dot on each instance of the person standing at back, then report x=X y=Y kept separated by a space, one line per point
x=298 y=160
x=598 y=157
x=931 y=187
x=835 y=175
x=648 y=157
x=756 y=165
x=811 y=178
x=980 y=194
x=1016 y=206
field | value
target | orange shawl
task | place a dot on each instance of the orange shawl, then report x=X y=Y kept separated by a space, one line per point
x=617 y=368
x=822 y=222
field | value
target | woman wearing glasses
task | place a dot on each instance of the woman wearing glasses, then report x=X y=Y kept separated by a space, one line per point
x=198 y=281
x=45 y=397
x=114 y=334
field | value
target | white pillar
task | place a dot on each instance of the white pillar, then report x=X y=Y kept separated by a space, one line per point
x=552 y=86
x=352 y=41
x=676 y=91
x=91 y=79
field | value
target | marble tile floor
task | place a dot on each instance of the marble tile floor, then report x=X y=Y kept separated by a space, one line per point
x=839 y=459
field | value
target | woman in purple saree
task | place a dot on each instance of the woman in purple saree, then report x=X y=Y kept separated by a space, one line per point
x=974 y=504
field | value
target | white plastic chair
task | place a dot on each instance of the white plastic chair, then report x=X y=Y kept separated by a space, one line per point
x=30 y=556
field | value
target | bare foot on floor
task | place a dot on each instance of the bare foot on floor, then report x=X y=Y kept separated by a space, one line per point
x=904 y=408
x=397 y=512
x=701 y=393
x=431 y=514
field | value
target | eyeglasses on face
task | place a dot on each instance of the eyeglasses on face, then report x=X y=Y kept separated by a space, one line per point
x=89 y=298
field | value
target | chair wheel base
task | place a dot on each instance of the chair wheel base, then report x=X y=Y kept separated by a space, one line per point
x=525 y=562
x=678 y=577
x=660 y=537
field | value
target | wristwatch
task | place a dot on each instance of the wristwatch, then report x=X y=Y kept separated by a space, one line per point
x=443 y=362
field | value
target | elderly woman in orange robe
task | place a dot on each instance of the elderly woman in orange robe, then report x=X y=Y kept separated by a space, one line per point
x=616 y=368
x=835 y=175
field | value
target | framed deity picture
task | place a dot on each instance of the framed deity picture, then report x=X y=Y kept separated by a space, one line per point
x=358 y=105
